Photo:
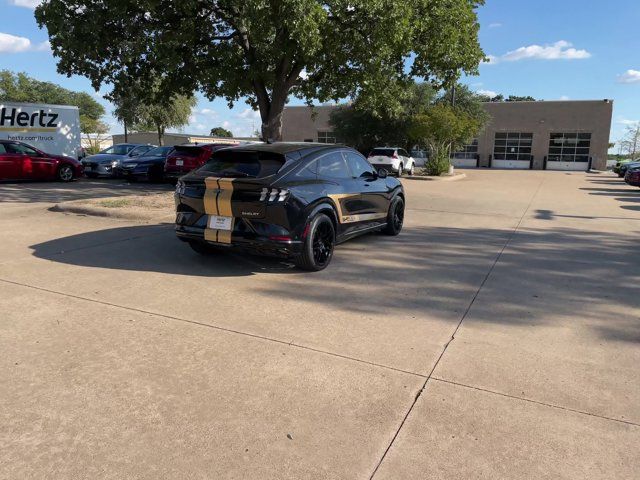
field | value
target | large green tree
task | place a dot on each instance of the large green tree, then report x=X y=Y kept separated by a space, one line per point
x=265 y=50
x=221 y=132
x=160 y=116
x=443 y=129
x=363 y=128
x=19 y=87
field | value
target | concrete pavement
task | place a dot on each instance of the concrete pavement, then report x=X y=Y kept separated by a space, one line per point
x=128 y=356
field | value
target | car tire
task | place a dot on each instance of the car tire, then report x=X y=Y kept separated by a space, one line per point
x=400 y=170
x=65 y=173
x=395 y=217
x=201 y=248
x=317 y=250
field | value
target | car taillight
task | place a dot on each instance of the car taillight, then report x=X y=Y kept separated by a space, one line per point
x=274 y=194
x=279 y=238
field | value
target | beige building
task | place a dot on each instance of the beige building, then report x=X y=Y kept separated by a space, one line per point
x=555 y=135
x=171 y=139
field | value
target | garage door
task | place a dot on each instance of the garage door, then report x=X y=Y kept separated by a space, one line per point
x=512 y=150
x=569 y=151
x=467 y=156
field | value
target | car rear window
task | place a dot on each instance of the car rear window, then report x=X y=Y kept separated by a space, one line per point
x=383 y=152
x=243 y=163
x=159 y=152
x=187 y=151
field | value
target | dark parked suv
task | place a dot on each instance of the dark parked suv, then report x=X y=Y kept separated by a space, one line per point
x=285 y=199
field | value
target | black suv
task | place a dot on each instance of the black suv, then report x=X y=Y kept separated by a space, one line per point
x=286 y=199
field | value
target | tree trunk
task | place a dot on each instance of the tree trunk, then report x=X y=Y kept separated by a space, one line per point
x=126 y=133
x=272 y=124
x=160 y=136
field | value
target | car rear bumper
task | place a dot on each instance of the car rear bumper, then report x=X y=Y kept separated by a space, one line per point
x=98 y=170
x=390 y=167
x=635 y=182
x=247 y=236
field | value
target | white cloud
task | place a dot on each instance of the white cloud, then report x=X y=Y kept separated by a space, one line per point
x=208 y=112
x=487 y=93
x=26 y=3
x=42 y=46
x=495 y=25
x=630 y=76
x=626 y=121
x=249 y=113
x=561 y=50
x=491 y=59
x=564 y=97
x=14 y=44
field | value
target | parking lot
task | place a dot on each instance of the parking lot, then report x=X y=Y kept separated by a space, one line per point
x=497 y=337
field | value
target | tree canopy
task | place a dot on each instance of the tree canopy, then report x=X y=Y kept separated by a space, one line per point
x=358 y=126
x=221 y=132
x=265 y=50
x=19 y=87
x=443 y=129
x=160 y=116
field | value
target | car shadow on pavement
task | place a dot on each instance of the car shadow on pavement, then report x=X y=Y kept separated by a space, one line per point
x=82 y=189
x=544 y=275
x=152 y=248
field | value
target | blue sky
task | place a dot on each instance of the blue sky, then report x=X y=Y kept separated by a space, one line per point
x=562 y=49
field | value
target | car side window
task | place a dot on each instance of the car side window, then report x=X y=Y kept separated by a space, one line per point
x=333 y=165
x=403 y=152
x=310 y=171
x=359 y=166
x=20 y=149
x=2 y=148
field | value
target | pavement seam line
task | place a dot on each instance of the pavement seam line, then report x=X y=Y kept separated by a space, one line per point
x=216 y=327
x=453 y=335
x=537 y=402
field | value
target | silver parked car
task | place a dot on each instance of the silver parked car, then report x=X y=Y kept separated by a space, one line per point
x=103 y=164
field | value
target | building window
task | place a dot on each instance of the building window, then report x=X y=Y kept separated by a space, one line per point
x=569 y=147
x=326 y=137
x=512 y=146
x=469 y=151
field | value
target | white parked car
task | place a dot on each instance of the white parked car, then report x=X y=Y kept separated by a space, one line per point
x=393 y=159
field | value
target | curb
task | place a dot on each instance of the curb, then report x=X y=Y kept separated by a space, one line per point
x=447 y=178
x=99 y=212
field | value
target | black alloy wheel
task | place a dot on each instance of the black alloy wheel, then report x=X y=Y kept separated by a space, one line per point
x=318 y=247
x=65 y=173
x=395 y=217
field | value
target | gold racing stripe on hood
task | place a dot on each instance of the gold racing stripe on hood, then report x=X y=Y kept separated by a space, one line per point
x=217 y=201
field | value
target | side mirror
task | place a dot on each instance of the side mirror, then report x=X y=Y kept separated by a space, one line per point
x=382 y=173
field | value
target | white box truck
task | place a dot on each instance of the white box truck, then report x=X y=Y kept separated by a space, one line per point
x=53 y=129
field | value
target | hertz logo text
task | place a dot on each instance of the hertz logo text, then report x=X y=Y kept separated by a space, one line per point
x=13 y=118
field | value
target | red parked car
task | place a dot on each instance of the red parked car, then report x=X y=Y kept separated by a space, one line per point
x=19 y=161
x=632 y=177
x=185 y=158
